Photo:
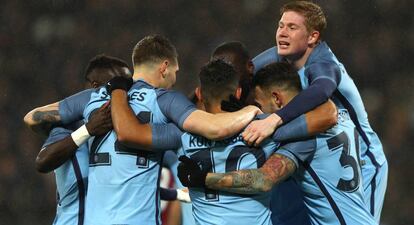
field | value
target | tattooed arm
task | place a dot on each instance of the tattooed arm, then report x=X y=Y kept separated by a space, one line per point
x=41 y=119
x=66 y=111
x=276 y=169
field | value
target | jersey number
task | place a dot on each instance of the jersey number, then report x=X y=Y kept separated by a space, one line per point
x=346 y=160
x=206 y=158
x=97 y=158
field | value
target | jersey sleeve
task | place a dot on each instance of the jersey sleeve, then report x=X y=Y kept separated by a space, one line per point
x=294 y=130
x=323 y=81
x=265 y=58
x=175 y=106
x=71 y=108
x=166 y=136
x=55 y=135
x=299 y=151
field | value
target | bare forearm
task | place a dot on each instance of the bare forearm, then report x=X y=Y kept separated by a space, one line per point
x=242 y=182
x=234 y=122
x=54 y=155
x=129 y=130
x=276 y=169
x=41 y=119
x=219 y=126
x=321 y=118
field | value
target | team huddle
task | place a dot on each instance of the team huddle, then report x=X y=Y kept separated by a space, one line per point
x=282 y=138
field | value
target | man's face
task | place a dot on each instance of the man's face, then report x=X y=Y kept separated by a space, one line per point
x=265 y=100
x=292 y=35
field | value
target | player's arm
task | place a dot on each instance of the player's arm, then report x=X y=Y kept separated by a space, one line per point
x=53 y=155
x=134 y=134
x=69 y=110
x=181 y=112
x=221 y=125
x=324 y=79
x=41 y=119
x=321 y=118
x=313 y=122
x=276 y=169
x=265 y=58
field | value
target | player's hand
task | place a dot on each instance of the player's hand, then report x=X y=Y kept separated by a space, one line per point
x=100 y=121
x=118 y=83
x=258 y=130
x=190 y=173
x=232 y=105
x=183 y=195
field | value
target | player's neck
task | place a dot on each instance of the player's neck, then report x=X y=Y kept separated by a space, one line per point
x=213 y=108
x=143 y=73
x=300 y=62
x=288 y=97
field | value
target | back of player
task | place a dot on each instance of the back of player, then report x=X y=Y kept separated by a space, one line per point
x=123 y=181
x=71 y=181
x=330 y=176
x=219 y=207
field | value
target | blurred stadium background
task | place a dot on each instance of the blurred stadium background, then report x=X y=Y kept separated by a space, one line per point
x=46 y=44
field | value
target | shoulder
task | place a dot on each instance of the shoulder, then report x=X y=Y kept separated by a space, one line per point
x=323 y=69
x=161 y=92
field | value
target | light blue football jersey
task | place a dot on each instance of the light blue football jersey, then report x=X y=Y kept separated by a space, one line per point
x=71 y=182
x=323 y=64
x=220 y=207
x=124 y=182
x=329 y=174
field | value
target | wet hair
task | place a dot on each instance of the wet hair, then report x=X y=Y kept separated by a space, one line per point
x=218 y=80
x=153 y=48
x=280 y=74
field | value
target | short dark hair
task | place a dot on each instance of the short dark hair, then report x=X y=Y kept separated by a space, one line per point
x=153 y=48
x=280 y=74
x=218 y=80
x=239 y=58
x=103 y=61
x=235 y=47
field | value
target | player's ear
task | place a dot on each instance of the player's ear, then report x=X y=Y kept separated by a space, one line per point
x=163 y=68
x=197 y=93
x=313 y=37
x=277 y=98
x=238 y=93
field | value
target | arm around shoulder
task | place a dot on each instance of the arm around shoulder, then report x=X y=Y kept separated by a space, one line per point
x=41 y=119
x=221 y=125
x=322 y=117
x=276 y=169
